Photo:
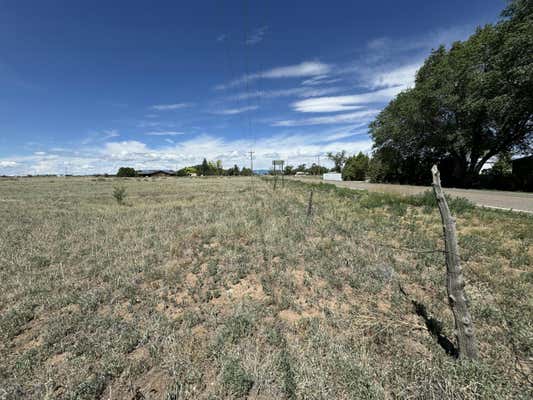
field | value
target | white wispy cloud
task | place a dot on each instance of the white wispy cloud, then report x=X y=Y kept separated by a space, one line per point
x=111 y=133
x=320 y=80
x=234 y=111
x=326 y=104
x=346 y=103
x=8 y=164
x=164 y=133
x=256 y=36
x=344 y=135
x=297 y=92
x=100 y=136
x=377 y=43
x=401 y=76
x=308 y=68
x=424 y=42
x=169 y=107
x=294 y=147
x=302 y=70
x=126 y=150
x=155 y=124
x=355 y=117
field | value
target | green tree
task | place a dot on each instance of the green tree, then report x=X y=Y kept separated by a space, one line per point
x=187 y=171
x=211 y=168
x=301 y=168
x=126 y=172
x=316 y=169
x=469 y=104
x=376 y=170
x=288 y=170
x=207 y=168
x=338 y=159
x=246 y=171
x=204 y=168
x=503 y=166
x=234 y=171
x=356 y=168
x=500 y=176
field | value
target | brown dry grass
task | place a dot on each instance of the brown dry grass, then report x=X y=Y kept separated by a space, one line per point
x=204 y=289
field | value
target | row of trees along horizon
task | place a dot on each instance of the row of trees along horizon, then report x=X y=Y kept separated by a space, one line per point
x=470 y=104
x=352 y=168
x=357 y=167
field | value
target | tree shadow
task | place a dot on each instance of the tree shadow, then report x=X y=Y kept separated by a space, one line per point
x=434 y=327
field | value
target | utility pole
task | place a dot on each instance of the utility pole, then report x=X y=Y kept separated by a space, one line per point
x=251 y=152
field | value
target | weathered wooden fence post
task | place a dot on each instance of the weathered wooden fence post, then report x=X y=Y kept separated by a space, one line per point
x=310 y=205
x=464 y=328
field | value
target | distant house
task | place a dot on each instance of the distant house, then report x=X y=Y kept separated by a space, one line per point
x=152 y=173
x=523 y=172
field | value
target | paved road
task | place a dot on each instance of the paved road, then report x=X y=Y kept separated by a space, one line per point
x=517 y=201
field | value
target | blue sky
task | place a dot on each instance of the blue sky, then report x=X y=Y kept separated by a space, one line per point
x=88 y=86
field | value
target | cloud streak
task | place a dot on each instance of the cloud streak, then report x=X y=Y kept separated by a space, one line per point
x=234 y=111
x=100 y=136
x=164 y=133
x=355 y=117
x=256 y=36
x=297 y=92
x=302 y=70
x=170 y=107
x=346 y=103
x=7 y=164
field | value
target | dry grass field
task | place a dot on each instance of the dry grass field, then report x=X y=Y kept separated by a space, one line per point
x=207 y=289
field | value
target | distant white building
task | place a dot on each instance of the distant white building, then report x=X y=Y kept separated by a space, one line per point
x=332 y=176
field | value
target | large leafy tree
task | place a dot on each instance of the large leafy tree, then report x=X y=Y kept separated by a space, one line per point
x=125 y=172
x=316 y=169
x=338 y=159
x=234 y=171
x=356 y=168
x=207 y=168
x=288 y=170
x=469 y=104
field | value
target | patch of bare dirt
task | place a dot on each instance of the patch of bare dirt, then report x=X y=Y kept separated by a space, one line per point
x=140 y=354
x=247 y=287
x=170 y=310
x=57 y=360
x=293 y=317
x=191 y=280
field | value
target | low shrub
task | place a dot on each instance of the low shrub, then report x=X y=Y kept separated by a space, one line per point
x=427 y=199
x=235 y=379
x=119 y=193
